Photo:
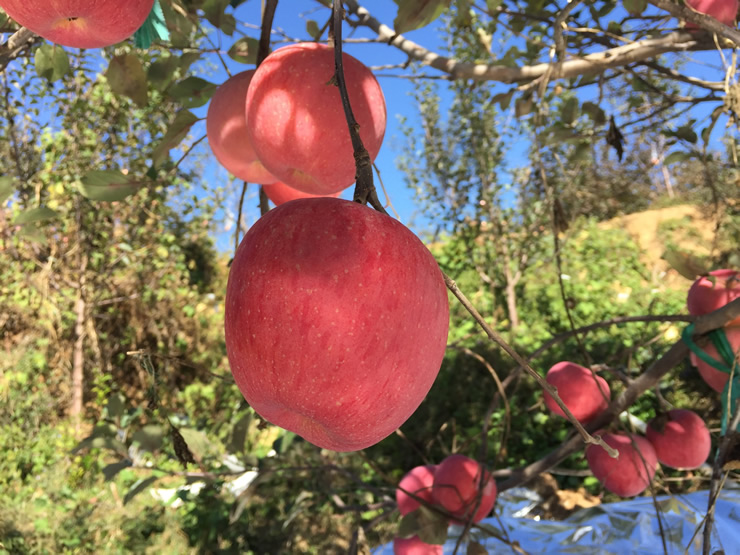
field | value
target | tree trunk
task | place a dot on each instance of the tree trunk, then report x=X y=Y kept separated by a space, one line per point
x=78 y=355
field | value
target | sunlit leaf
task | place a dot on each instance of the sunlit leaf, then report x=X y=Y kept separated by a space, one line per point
x=107 y=185
x=177 y=131
x=414 y=14
x=52 y=62
x=126 y=77
x=7 y=188
x=138 y=487
x=244 y=50
x=32 y=215
x=192 y=92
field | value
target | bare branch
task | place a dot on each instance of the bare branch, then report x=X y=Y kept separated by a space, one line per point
x=17 y=42
x=589 y=64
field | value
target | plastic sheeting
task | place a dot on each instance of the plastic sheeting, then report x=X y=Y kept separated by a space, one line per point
x=627 y=527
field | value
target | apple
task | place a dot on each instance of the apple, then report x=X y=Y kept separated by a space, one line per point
x=280 y=193
x=457 y=488
x=631 y=473
x=717 y=379
x=418 y=481
x=226 y=127
x=680 y=438
x=414 y=546
x=336 y=321
x=80 y=23
x=296 y=122
x=724 y=11
x=707 y=295
x=585 y=394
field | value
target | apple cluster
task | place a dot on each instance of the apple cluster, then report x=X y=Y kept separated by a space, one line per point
x=280 y=125
x=458 y=486
x=336 y=315
x=678 y=438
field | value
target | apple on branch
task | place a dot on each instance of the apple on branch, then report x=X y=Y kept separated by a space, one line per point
x=585 y=394
x=280 y=193
x=631 y=472
x=336 y=321
x=419 y=481
x=296 y=121
x=724 y=11
x=680 y=438
x=457 y=488
x=80 y=23
x=226 y=127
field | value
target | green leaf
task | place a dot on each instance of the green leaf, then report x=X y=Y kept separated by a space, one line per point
x=161 y=72
x=51 y=62
x=474 y=548
x=503 y=99
x=244 y=50
x=177 y=131
x=635 y=7
x=430 y=526
x=677 y=156
x=414 y=14
x=116 y=406
x=594 y=112
x=239 y=433
x=493 y=5
x=40 y=214
x=138 y=487
x=110 y=471
x=523 y=106
x=7 y=188
x=198 y=442
x=107 y=185
x=214 y=12
x=312 y=28
x=101 y=443
x=688 y=265
x=149 y=437
x=687 y=133
x=126 y=77
x=570 y=110
x=192 y=92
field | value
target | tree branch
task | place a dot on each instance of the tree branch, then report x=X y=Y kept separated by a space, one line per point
x=15 y=45
x=642 y=383
x=591 y=63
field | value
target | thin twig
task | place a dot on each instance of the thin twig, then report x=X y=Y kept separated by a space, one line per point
x=239 y=217
x=364 y=189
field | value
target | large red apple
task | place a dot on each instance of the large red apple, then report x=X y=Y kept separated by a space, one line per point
x=631 y=473
x=707 y=295
x=724 y=11
x=585 y=394
x=457 y=487
x=80 y=23
x=680 y=438
x=716 y=379
x=226 y=127
x=414 y=546
x=296 y=121
x=418 y=481
x=279 y=193
x=336 y=321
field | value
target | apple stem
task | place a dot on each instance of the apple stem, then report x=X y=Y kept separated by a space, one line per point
x=364 y=188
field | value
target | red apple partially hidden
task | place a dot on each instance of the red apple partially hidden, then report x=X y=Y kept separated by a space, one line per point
x=279 y=193
x=226 y=127
x=681 y=439
x=717 y=379
x=707 y=295
x=80 y=23
x=418 y=481
x=336 y=321
x=631 y=473
x=724 y=11
x=585 y=394
x=414 y=546
x=296 y=121
x=457 y=488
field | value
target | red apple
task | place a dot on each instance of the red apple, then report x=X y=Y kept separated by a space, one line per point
x=456 y=487
x=279 y=193
x=296 y=121
x=336 y=321
x=629 y=474
x=680 y=438
x=80 y=23
x=716 y=379
x=585 y=394
x=226 y=127
x=707 y=295
x=724 y=11
x=418 y=481
x=414 y=546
